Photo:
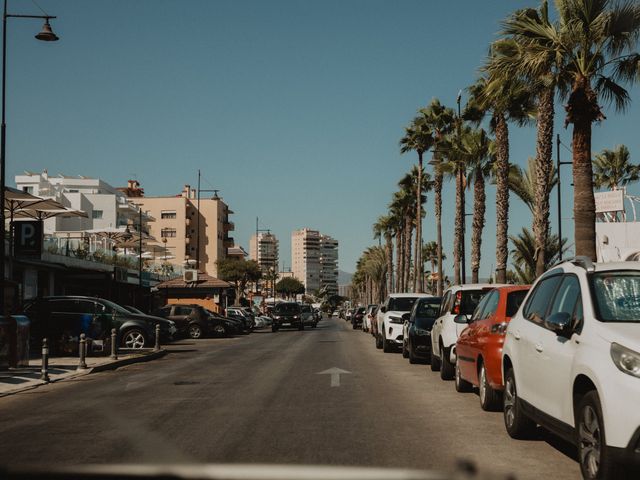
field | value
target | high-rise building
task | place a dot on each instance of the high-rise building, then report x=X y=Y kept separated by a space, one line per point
x=314 y=260
x=264 y=250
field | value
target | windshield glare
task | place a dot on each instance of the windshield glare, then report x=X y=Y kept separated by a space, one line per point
x=617 y=296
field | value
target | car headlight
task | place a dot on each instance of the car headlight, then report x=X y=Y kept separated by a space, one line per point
x=295 y=317
x=393 y=319
x=626 y=360
x=421 y=332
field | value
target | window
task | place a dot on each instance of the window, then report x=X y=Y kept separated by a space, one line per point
x=466 y=301
x=168 y=214
x=536 y=308
x=96 y=214
x=183 y=310
x=445 y=303
x=514 y=300
x=491 y=305
x=27 y=189
x=401 y=304
x=617 y=296
x=567 y=296
x=168 y=232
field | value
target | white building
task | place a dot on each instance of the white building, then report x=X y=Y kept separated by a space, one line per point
x=264 y=250
x=314 y=260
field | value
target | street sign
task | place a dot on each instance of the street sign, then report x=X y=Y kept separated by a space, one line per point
x=609 y=201
x=27 y=238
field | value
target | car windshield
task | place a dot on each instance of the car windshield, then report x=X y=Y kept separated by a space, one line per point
x=401 y=304
x=285 y=308
x=471 y=299
x=617 y=296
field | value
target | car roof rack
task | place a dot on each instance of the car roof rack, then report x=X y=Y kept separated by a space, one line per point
x=582 y=261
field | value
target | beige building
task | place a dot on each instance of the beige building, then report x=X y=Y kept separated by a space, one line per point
x=264 y=250
x=314 y=260
x=186 y=235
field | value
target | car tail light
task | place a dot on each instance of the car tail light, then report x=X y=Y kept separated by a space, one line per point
x=456 y=305
x=499 y=328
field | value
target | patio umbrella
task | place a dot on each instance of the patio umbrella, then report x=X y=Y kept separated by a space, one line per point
x=47 y=209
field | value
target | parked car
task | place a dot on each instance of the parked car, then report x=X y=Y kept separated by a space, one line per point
x=287 y=314
x=479 y=347
x=308 y=316
x=61 y=319
x=368 y=317
x=358 y=317
x=416 y=332
x=457 y=300
x=167 y=327
x=242 y=314
x=389 y=319
x=571 y=363
x=195 y=321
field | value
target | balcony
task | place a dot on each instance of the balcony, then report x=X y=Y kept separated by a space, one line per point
x=229 y=226
x=228 y=242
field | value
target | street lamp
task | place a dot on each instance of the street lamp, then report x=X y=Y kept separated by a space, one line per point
x=45 y=35
x=463 y=272
x=559 y=196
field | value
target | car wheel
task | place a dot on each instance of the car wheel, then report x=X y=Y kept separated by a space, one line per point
x=462 y=386
x=274 y=328
x=220 y=330
x=434 y=364
x=354 y=326
x=518 y=425
x=378 y=342
x=405 y=352
x=315 y=324
x=595 y=458
x=489 y=398
x=195 y=331
x=134 y=338
x=386 y=346
x=301 y=326
x=447 y=370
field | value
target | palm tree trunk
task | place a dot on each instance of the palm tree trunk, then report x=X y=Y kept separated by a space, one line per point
x=582 y=110
x=544 y=166
x=438 y=213
x=502 y=197
x=457 y=239
x=399 y=260
x=408 y=227
x=418 y=267
x=389 y=251
x=479 y=207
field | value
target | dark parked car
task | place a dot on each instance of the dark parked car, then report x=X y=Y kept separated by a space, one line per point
x=243 y=315
x=308 y=315
x=195 y=321
x=62 y=319
x=357 y=317
x=287 y=314
x=416 y=344
x=167 y=327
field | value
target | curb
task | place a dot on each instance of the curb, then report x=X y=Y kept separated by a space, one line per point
x=145 y=357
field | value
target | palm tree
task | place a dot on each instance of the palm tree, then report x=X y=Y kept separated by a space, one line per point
x=524 y=183
x=440 y=119
x=528 y=58
x=596 y=41
x=430 y=252
x=475 y=149
x=419 y=138
x=384 y=227
x=525 y=253
x=505 y=98
x=613 y=168
x=401 y=209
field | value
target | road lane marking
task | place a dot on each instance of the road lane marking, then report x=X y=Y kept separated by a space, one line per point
x=335 y=373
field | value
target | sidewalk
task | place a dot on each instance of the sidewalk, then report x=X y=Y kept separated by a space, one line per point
x=63 y=368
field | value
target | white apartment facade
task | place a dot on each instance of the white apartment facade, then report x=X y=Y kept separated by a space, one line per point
x=314 y=260
x=264 y=249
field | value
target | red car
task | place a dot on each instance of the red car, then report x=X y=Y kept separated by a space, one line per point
x=479 y=347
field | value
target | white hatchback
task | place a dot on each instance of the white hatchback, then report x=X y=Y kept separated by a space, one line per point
x=571 y=363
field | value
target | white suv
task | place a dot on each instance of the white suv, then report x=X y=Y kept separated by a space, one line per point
x=573 y=351
x=457 y=300
x=389 y=319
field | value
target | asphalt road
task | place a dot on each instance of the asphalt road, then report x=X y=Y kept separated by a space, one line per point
x=260 y=398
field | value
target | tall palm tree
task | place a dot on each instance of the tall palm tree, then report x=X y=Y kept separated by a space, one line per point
x=613 y=168
x=528 y=57
x=418 y=137
x=505 y=98
x=441 y=121
x=524 y=183
x=430 y=253
x=384 y=227
x=476 y=149
x=525 y=253
x=402 y=210
x=596 y=41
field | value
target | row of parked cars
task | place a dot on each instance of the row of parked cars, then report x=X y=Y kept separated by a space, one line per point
x=563 y=354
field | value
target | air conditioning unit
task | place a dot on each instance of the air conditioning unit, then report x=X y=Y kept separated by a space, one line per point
x=190 y=276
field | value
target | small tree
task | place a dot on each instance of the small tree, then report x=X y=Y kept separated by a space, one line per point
x=289 y=286
x=239 y=272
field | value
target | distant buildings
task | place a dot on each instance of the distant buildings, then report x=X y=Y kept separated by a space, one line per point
x=314 y=260
x=264 y=250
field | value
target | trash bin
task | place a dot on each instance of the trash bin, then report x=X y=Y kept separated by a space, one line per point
x=14 y=329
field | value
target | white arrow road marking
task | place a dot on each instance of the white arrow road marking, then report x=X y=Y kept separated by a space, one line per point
x=335 y=373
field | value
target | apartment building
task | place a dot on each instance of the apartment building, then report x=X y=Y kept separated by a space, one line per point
x=314 y=260
x=263 y=248
x=192 y=233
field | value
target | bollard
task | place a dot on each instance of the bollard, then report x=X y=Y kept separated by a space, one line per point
x=83 y=352
x=157 y=347
x=114 y=346
x=44 y=372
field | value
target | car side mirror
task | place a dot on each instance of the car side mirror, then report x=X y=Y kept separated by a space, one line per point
x=383 y=309
x=406 y=316
x=560 y=323
x=463 y=319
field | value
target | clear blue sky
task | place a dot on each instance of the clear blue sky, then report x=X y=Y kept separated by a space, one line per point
x=293 y=109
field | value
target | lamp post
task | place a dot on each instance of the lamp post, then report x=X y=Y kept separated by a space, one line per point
x=559 y=163
x=45 y=35
x=463 y=272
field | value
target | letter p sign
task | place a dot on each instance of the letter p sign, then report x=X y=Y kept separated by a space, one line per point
x=27 y=238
